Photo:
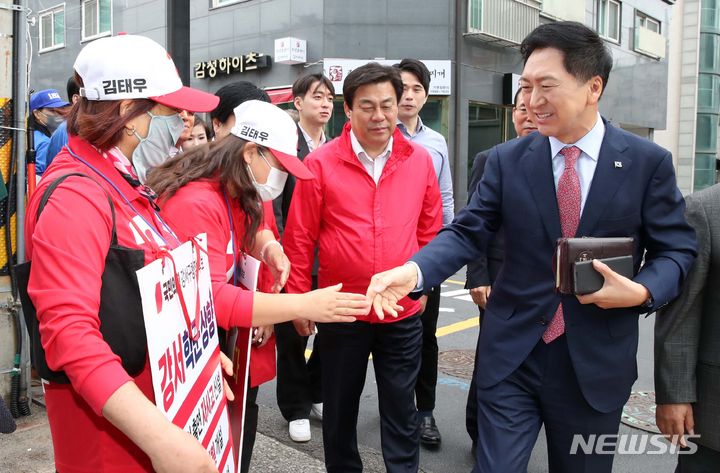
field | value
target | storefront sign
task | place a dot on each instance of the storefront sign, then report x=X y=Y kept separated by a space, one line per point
x=290 y=51
x=186 y=373
x=337 y=69
x=251 y=61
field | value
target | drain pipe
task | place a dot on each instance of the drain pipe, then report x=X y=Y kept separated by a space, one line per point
x=20 y=94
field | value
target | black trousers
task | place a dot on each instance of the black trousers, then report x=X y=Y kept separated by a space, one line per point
x=427 y=378
x=704 y=460
x=298 y=381
x=249 y=428
x=395 y=348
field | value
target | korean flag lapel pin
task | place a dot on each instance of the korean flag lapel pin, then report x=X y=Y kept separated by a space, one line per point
x=618 y=164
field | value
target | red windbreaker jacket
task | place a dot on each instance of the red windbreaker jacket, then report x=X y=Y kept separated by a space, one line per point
x=361 y=228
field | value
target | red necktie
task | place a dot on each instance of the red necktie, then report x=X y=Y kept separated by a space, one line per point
x=568 y=197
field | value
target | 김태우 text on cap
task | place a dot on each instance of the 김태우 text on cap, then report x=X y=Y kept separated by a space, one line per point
x=135 y=67
x=266 y=125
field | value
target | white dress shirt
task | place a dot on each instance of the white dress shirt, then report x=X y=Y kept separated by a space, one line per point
x=374 y=167
x=311 y=144
x=586 y=163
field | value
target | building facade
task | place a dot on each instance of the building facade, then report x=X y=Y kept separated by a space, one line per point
x=478 y=39
x=694 y=93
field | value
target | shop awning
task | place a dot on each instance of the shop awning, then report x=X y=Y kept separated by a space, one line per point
x=281 y=95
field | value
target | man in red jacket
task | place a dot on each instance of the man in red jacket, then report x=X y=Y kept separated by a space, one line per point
x=374 y=201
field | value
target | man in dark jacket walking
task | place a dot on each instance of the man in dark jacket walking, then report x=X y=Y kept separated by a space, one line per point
x=687 y=345
x=482 y=272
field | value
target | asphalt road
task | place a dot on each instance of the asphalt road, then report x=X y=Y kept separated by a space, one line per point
x=457 y=330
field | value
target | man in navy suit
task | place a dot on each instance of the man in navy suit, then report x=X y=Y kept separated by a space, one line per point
x=566 y=362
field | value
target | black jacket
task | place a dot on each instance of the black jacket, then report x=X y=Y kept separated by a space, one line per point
x=281 y=205
x=484 y=270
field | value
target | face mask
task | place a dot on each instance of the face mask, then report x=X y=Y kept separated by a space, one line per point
x=274 y=185
x=52 y=122
x=154 y=149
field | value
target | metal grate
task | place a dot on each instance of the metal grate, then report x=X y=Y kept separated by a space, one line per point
x=6 y=119
x=506 y=22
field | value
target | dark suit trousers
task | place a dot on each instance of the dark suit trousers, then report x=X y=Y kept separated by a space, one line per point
x=705 y=460
x=543 y=390
x=395 y=348
x=471 y=406
x=298 y=381
x=427 y=378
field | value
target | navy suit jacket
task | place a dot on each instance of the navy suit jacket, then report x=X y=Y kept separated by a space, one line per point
x=633 y=193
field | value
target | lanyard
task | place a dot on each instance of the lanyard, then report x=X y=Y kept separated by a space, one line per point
x=232 y=240
x=112 y=184
x=194 y=334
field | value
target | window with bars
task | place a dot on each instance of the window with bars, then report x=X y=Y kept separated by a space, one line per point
x=96 y=18
x=608 y=19
x=52 y=28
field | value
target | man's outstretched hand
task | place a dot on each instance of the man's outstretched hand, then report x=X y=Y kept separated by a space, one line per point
x=388 y=287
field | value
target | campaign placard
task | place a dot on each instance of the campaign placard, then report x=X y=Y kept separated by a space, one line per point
x=183 y=347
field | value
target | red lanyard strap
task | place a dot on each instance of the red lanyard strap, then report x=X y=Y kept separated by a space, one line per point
x=164 y=253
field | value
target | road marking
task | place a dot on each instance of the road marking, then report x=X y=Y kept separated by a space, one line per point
x=452 y=281
x=464 y=385
x=441 y=331
x=459 y=292
x=458 y=326
x=466 y=297
x=446 y=309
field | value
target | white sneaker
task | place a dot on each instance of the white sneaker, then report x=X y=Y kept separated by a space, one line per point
x=317 y=410
x=299 y=430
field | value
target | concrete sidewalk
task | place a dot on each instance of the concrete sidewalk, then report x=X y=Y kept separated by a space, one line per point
x=29 y=450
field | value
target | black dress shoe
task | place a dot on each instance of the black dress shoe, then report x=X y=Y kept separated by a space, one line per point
x=429 y=433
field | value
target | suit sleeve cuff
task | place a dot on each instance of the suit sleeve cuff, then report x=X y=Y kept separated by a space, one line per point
x=420 y=281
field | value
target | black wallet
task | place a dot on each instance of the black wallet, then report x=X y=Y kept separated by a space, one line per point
x=588 y=280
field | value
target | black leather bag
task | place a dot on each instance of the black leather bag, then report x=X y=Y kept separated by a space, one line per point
x=121 y=317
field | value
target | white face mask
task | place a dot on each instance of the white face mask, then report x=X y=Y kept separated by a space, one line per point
x=274 y=184
x=153 y=150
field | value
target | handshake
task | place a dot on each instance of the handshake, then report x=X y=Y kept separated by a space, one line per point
x=388 y=287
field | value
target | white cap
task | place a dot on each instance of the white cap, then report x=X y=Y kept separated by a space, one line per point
x=267 y=125
x=135 y=67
